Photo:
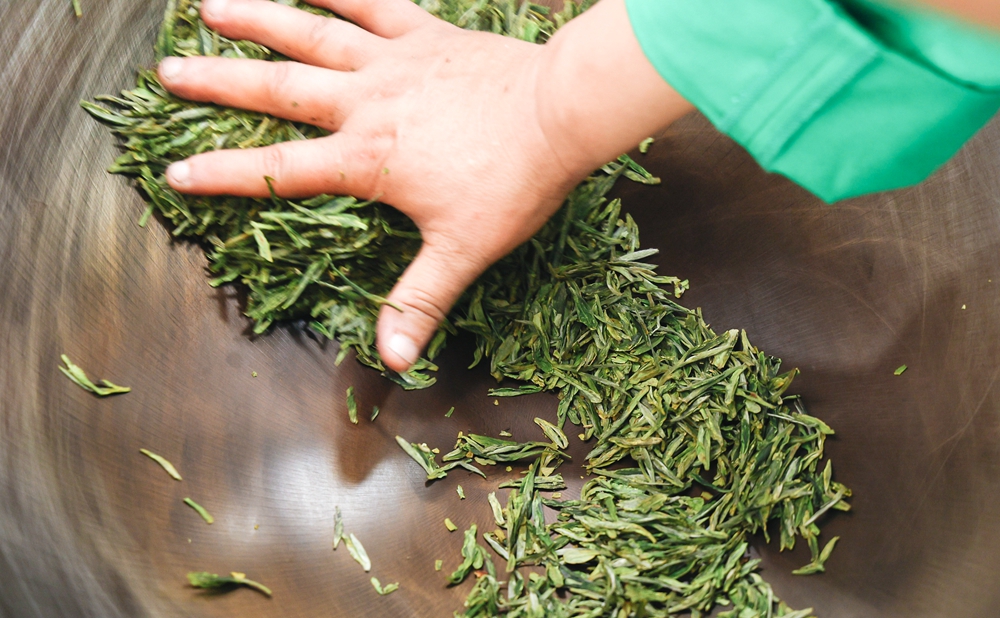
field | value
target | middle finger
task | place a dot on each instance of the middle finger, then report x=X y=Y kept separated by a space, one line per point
x=291 y=90
x=321 y=41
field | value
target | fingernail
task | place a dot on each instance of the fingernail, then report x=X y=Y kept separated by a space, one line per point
x=178 y=174
x=403 y=347
x=213 y=8
x=170 y=67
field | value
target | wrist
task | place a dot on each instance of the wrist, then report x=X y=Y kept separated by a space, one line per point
x=597 y=94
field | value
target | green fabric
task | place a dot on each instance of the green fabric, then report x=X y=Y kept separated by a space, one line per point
x=843 y=98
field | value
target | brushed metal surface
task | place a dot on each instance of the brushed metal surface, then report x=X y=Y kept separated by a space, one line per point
x=89 y=527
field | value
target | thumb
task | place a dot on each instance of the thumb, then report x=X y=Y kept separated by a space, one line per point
x=429 y=287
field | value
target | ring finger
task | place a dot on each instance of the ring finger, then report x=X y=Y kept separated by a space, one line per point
x=291 y=90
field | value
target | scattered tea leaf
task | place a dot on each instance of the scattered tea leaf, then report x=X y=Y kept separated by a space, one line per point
x=357 y=551
x=352 y=406
x=200 y=509
x=388 y=589
x=166 y=465
x=202 y=579
x=449 y=525
x=338 y=527
x=77 y=375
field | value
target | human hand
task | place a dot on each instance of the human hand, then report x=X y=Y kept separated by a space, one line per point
x=466 y=133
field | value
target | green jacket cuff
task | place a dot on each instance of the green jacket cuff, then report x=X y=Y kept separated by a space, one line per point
x=844 y=99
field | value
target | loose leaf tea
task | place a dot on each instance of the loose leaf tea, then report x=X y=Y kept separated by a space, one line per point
x=77 y=375
x=76 y=8
x=387 y=589
x=338 y=527
x=166 y=465
x=357 y=551
x=201 y=510
x=899 y=370
x=423 y=455
x=201 y=579
x=352 y=406
x=695 y=445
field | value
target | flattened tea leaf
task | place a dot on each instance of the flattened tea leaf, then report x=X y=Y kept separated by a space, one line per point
x=200 y=510
x=338 y=527
x=899 y=370
x=357 y=551
x=553 y=433
x=817 y=565
x=166 y=465
x=497 y=509
x=423 y=455
x=202 y=579
x=77 y=375
x=387 y=589
x=352 y=406
x=473 y=557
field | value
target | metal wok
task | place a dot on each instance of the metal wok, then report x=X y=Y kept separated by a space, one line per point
x=89 y=527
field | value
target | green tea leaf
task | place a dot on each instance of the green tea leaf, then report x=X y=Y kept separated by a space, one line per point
x=200 y=510
x=202 y=579
x=166 y=465
x=357 y=551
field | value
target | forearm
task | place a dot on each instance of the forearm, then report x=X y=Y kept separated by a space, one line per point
x=598 y=94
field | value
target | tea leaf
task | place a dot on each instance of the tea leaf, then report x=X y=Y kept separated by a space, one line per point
x=77 y=375
x=166 y=465
x=352 y=406
x=357 y=551
x=338 y=527
x=388 y=589
x=200 y=509
x=202 y=579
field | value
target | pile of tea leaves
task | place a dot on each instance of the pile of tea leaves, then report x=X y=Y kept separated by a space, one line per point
x=695 y=445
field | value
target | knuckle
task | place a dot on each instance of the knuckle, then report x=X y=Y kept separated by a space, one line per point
x=320 y=38
x=277 y=83
x=424 y=303
x=274 y=162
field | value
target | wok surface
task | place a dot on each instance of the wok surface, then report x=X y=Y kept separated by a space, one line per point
x=89 y=527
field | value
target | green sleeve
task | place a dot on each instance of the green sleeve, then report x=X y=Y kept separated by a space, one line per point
x=844 y=98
